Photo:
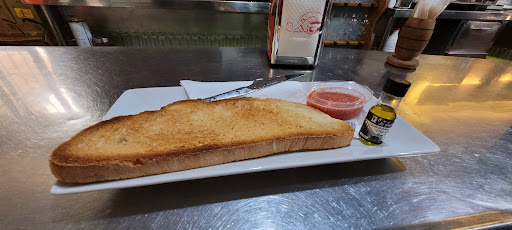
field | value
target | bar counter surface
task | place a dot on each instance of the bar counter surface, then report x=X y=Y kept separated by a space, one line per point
x=48 y=94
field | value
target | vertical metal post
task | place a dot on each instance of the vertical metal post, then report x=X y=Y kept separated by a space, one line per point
x=53 y=25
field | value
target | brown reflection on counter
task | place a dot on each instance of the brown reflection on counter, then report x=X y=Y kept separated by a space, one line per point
x=460 y=102
x=480 y=96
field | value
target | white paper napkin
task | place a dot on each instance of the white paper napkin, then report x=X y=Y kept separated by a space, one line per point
x=288 y=90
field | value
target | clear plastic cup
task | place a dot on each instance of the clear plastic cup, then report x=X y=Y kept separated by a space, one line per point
x=341 y=100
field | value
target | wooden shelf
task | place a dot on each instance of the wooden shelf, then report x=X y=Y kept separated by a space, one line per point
x=343 y=43
x=354 y=4
x=13 y=41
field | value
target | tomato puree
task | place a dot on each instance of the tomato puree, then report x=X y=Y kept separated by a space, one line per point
x=339 y=105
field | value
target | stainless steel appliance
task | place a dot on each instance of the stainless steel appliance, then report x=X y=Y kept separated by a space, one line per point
x=474 y=39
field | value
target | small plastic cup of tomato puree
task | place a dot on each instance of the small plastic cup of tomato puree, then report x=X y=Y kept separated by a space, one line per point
x=343 y=100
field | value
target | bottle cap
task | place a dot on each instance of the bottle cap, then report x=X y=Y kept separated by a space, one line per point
x=396 y=86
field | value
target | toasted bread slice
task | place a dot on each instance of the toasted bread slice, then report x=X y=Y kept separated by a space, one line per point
x=191 y=134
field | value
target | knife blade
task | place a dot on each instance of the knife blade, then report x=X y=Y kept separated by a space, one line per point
x=256 y=85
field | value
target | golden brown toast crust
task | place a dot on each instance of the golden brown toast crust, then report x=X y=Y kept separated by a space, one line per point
x=193 y=133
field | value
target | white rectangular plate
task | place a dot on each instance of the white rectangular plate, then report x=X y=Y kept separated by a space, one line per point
x=402 y=140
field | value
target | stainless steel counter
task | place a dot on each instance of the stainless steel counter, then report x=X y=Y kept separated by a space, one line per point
x=464 y=105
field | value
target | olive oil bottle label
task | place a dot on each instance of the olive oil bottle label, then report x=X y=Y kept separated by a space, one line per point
x=375 y=128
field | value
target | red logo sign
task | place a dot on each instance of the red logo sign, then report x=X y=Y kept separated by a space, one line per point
x=308 y=23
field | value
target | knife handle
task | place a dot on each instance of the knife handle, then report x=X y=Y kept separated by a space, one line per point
x=229 y=94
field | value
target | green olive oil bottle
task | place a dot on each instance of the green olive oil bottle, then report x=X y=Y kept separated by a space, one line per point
x=381 y=116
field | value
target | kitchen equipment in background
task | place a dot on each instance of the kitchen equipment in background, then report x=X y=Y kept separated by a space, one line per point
x=164 y=27
x=474 y=39
x=81 y=32
x=403 y=3
x=22 y=24
x=198 y=39
x=101 y=41
x=295 y=31
x=391 y=4
x=391 y=41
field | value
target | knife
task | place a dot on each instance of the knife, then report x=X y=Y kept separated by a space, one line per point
x=256 y=85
